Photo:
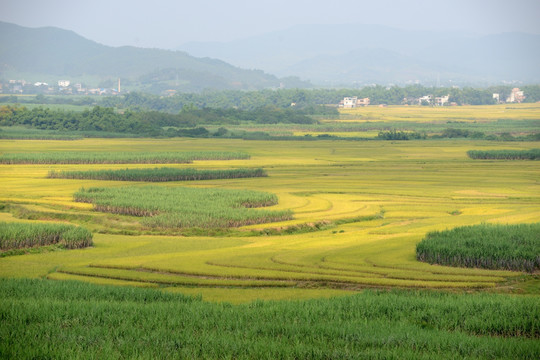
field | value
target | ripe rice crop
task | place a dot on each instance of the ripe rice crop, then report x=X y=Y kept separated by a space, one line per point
x=24 y=235
x=118 y=157
x=158 y=174
x=508 y=247
x=533 y=154
x=185 y=207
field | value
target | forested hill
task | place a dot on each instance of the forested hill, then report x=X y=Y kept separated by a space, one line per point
x=48 y=54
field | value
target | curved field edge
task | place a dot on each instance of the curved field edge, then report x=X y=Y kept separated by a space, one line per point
x=421 y=187
x=74 y=319
x=490 y=246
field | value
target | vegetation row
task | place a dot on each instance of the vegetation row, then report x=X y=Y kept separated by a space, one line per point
x=118 y=157
x=158 y=174
x=24 y=235
x=63 y=319
x=508 y=247
x=306 y=99
x=533 y=154
x=148 y=123
x=185 y=207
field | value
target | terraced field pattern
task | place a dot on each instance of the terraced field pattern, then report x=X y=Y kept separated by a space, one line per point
x=358 y=210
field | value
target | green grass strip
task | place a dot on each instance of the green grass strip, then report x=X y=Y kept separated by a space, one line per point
x=158 y=174
x=118 y=157
x=507 y=247
x=25 y=235
x=185 y=207
x=70 y=320
x=533 y=154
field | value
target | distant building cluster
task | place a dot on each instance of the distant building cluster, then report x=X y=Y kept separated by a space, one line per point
x=433 y=100
x=353 y=102
x=61 y=87
x=516 y=96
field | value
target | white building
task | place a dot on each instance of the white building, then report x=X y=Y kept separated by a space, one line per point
x=442 y=100
x=63 y=83
x=426 y=98
x=352 y=102
x=516 y=95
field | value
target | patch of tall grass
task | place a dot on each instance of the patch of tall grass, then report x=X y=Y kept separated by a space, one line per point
x=65 y=319
x=118 y=157
x=533 y=154
x=25 y=235
x=185 y=207
x=158 y=174
x=508 y=247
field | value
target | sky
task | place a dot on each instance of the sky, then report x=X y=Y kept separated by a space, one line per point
x=168 y=24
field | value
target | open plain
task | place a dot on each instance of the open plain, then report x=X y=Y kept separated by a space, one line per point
x=359 y=209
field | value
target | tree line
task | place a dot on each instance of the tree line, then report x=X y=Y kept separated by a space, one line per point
x=308 y=100
x=148 y=123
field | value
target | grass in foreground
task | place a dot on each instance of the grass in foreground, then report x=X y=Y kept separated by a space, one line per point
x=185 y=207
x=50 y=319
x=508 y=247
x=24 y=235
x=118 y=157
x=158 y=174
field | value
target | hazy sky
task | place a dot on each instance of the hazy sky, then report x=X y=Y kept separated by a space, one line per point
x=168 y=23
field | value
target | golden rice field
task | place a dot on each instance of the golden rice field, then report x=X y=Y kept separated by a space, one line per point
x=373 y=201
x=482 y=113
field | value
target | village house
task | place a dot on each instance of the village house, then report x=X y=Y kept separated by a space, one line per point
x=516 y=95
x=352 y=102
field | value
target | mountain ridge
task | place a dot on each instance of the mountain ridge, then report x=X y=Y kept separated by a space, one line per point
x=56 y=52
x=448 y=56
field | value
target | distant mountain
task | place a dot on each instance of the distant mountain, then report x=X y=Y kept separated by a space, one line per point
x=52 y=53
x=360 y=54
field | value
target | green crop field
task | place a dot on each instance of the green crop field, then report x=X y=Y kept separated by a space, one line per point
x=489 y=246
x=103 y=157
x=356 y=212
x=162 y=207
x=41 y=319
x=158 y=174
x=18 y=236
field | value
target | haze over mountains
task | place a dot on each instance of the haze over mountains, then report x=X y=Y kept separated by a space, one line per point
x=324 y=55
x=46 y=54
x=350 y=54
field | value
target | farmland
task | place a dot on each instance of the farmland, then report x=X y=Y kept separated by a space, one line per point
x=356 y=211
x=358 y=208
